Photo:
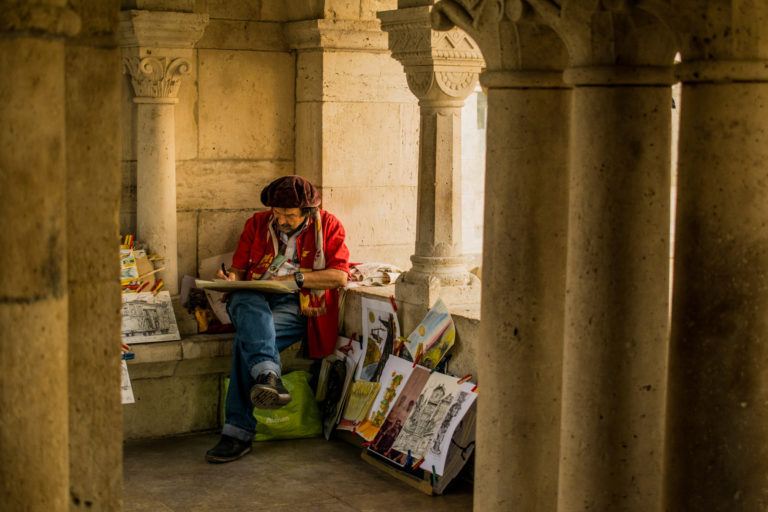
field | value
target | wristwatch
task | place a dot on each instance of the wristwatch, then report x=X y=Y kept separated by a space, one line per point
x=299 y=277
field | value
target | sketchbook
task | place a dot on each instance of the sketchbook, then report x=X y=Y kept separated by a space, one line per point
x=262 y=286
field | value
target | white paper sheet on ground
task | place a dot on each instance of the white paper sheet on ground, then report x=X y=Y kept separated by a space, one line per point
x=429 y=330
x=148 y=318
x=376 y=315
x=393 y=378
x=426 y=418
x=125 y=385
x=441 y=441
x=398 y=415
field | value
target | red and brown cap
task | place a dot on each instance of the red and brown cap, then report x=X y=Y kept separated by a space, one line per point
x=290 y=192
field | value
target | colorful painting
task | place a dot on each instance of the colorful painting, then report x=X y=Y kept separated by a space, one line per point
x=433 y=337
x=395 y=374
x=398 y=415
x=359 y=400
x=380 y=329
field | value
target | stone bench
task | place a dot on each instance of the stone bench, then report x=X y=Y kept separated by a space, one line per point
x=178 y=385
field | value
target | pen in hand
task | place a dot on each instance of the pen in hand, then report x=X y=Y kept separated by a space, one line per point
x=224 y=272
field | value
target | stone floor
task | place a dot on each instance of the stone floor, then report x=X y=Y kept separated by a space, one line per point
x=279 y=476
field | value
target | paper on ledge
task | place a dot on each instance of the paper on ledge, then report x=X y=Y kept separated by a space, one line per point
x=263 y=286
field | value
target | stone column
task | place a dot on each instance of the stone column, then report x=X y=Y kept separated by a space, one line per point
x=157 y=52
x=523 y=287
x=616 y=320
x=717 y=455
x=93 y=198
x=524 y=259
x=442 y=69
x=34 y=474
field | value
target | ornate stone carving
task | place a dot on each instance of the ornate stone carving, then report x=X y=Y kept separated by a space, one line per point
x=420 y=82
x=456 y=84
x=156 y=77
x=414 y=43
x=438 y=65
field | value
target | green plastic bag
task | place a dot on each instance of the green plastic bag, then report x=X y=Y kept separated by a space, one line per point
x=299 y=419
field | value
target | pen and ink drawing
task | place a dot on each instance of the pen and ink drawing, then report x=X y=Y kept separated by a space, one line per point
x=431 y=408
x=438 y=450
x=453 y=411
x=148 y=317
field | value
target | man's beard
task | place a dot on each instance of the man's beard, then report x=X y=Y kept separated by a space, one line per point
x=286 y=228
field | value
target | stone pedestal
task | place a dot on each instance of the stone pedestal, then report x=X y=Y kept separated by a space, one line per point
x=157 y=52
x=442 y=69
x=717 y=415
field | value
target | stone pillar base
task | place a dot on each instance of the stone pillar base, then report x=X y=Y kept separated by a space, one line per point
x=420 y=289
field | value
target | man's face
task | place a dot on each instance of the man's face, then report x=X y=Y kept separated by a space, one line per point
x=288 y=219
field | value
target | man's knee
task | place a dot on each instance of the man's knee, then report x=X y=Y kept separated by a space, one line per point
x=244 y=301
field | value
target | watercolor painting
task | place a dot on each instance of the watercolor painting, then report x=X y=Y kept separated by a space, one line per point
x=393 y=378
x=398 y=415
x=380 y=329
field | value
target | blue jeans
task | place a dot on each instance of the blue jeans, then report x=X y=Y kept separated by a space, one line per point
x=265 y=325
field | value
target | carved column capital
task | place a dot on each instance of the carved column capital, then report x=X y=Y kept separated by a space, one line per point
x=595 y=33
x=438 y=65
x=156 y=77
x=158 y=48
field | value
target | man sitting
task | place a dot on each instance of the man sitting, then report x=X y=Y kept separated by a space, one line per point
x=294 y=241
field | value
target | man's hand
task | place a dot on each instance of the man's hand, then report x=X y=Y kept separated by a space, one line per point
x=234 y=274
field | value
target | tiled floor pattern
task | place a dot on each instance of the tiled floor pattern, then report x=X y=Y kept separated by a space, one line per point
x=171 y=475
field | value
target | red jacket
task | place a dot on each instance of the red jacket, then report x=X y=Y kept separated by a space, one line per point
x=256 y=250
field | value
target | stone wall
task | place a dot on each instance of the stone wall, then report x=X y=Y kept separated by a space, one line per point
x=258 y=105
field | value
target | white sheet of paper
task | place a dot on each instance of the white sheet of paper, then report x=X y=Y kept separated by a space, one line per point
x=125 y=385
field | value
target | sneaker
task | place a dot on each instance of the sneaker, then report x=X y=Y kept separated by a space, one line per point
x=228 y=449
x=269 y=392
